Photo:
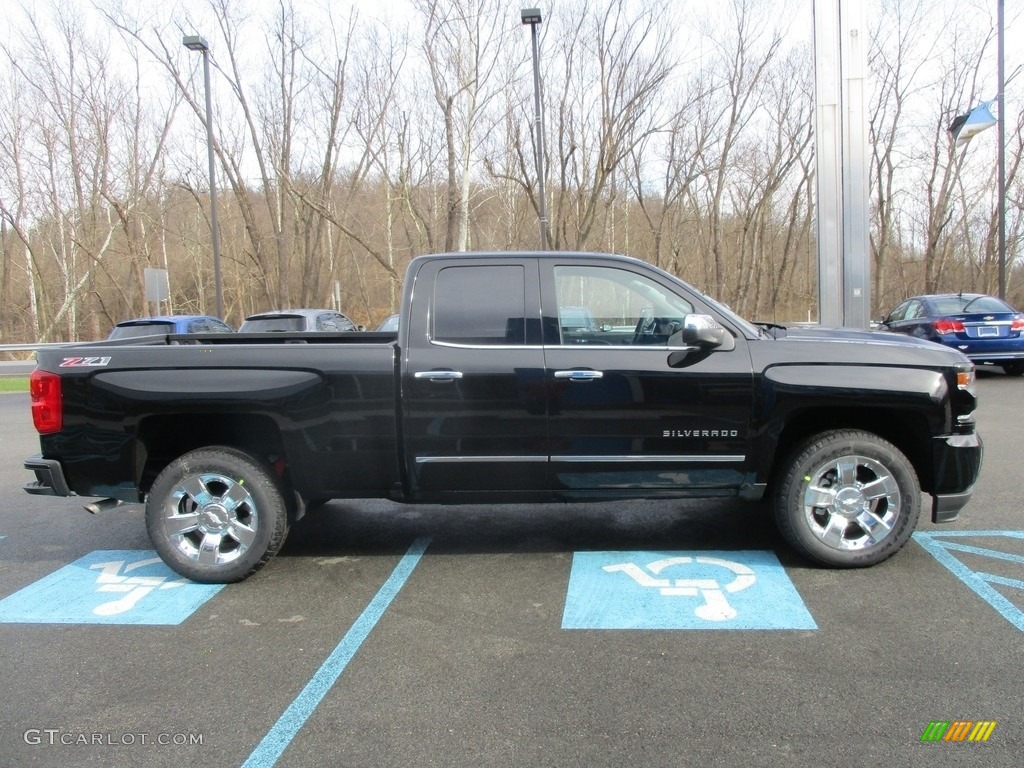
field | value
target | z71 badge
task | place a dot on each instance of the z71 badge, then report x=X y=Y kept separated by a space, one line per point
x=84 y=362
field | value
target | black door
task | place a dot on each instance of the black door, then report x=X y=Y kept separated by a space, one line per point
x=627 y=416
x=475 y=420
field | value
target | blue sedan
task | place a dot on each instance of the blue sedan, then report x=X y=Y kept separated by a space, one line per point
x=986 y=329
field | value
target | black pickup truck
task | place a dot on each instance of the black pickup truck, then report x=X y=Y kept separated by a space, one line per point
x=514 y=377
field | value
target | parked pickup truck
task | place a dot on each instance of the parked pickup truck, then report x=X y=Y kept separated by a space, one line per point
x=492 y=390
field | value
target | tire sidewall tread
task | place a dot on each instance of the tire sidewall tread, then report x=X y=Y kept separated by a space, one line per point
x=833 y=444
x=267 y=494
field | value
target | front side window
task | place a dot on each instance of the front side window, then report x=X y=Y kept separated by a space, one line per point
x=480 y=305
x=606 y=305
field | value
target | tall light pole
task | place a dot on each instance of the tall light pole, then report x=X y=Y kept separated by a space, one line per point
x=1001 y=160
x=197 y=43
x=531 y=16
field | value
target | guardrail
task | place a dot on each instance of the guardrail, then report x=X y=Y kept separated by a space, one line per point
x=16 y=368
x=33 y=347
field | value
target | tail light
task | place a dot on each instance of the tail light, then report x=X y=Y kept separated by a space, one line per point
x=948 y=326
x=47 y=414
x=1017 y=324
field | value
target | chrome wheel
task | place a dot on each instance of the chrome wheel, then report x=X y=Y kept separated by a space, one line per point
x=851 y=502
x=217 y=514
x=211 y=519
x=847 y=498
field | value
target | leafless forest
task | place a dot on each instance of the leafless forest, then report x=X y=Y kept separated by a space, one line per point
x=349 y=139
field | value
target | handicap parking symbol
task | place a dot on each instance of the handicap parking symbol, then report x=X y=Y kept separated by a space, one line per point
x=108 y=587
x=682 y=590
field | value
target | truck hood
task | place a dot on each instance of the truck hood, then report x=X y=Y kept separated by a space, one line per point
x=865 y=340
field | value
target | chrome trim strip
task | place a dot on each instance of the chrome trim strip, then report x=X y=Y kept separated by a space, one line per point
x=622 y=347
x=481 y=459
x=453 y=345
x=647 y=459
x=579 y=459
x=588 y=347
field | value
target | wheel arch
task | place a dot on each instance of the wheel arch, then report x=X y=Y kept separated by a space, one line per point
x=162 y=438
x=906 y=429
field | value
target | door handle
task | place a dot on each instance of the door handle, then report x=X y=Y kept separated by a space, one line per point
x=577 y=375
x=438 y=375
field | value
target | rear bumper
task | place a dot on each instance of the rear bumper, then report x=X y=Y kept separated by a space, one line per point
x=1004 y=356
x=50 y=480
x=956 y=463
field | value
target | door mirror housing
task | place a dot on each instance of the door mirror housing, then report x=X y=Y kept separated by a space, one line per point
x=703 y=332
x=699 y=335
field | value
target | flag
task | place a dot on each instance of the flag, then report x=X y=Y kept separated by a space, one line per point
x=965 y=127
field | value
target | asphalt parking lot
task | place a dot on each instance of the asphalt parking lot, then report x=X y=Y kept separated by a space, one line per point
x=385 y=635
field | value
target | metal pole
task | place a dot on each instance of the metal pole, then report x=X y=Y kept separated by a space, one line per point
x=1001 y=157
x=215 y=229
x=532 y=17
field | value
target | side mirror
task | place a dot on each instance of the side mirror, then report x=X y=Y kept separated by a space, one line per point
x=704 y=332
x=701 y=333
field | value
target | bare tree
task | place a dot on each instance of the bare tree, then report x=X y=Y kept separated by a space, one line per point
x=896 y=60
x=91 y=168
x=959 y=86
x=613 y=68
x=461 y=46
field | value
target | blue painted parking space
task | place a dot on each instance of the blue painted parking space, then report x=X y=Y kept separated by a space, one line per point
x=974 y=556
x=682 y=590
x=108 y=587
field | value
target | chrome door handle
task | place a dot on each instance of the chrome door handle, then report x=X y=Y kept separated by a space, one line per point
x=438 y=375
x=579 y=375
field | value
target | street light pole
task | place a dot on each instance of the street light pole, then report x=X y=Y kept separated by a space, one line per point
x=197 y=43
x=532 y=17
x=1001 y=123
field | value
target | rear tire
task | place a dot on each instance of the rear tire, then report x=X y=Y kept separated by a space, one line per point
x=1016 y=368
x=216 y=515
x=847 y=499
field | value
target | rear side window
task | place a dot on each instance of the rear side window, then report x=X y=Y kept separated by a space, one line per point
x=480 y=305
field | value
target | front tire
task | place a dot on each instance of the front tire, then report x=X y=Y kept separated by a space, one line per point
x=848 y=499
x=216 y=515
